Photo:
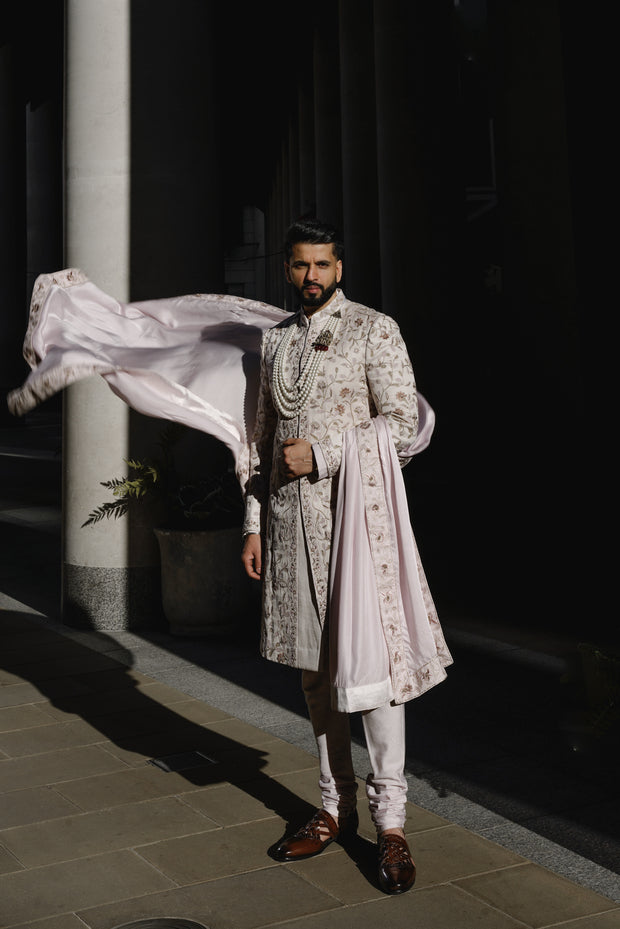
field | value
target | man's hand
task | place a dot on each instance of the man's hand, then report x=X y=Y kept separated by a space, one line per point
x=252 y=556
x=297 y=458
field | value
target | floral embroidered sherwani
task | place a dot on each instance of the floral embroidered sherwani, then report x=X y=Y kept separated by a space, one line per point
x=365 y=371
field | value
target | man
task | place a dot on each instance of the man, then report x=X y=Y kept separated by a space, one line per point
x=327 y=372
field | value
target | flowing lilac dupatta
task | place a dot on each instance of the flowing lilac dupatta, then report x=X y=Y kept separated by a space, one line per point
x=192 y=359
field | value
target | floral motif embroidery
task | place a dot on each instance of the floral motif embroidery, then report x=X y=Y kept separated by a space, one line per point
x=29 y=395
x=368 y=366
x=406 y=682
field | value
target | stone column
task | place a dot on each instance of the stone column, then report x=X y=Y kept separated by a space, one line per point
x=269 y=247
x=176 y=177
x=294 y=169
x=328 y=158
x=403 y=217
x=285 y=213
x=362 y=269
x=540 y=324
x=277 y=294
x=100 y=573
x=305 y=119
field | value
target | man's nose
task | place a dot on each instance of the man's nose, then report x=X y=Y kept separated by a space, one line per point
x=311 y=273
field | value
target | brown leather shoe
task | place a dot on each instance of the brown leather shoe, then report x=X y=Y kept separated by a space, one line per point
x=316 y=835
x=396 y=867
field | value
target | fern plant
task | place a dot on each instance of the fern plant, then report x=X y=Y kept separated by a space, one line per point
x=145 y=482
x=212 y=498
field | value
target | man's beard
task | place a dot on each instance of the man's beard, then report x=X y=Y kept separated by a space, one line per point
x=315 y=301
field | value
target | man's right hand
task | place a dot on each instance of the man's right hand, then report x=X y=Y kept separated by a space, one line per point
x=252 y=555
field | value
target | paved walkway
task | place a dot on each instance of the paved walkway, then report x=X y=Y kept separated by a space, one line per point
x=143 y=776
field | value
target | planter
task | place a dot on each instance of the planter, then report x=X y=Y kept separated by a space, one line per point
x=204 y=588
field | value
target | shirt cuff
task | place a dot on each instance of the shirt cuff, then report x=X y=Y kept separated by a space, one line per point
x=321 y=464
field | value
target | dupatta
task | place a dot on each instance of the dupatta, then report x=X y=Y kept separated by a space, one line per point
x=192 y=359
x=386 y=642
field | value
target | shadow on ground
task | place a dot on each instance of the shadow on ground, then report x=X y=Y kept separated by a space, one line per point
x=510 y=728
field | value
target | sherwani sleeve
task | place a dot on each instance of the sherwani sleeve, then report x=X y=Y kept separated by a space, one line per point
x=390 y=380
x=261 y=454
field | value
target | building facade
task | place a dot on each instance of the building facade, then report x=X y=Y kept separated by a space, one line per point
x=164 y=149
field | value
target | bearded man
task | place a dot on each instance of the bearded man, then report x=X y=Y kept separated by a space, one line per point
x=344 y=594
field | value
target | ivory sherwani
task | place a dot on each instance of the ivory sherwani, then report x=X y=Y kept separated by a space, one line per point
x=366 y=371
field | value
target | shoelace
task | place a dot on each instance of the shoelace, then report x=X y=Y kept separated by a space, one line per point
x=393 y=853
x=316 y=828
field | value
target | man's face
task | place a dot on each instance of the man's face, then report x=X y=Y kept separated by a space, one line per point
x=315 y=272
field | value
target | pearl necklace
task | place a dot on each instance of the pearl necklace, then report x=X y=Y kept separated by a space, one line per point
x=290 y=400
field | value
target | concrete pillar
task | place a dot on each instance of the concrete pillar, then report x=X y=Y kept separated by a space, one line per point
x=305 y=121
x=176 y=179
x=362 y=270
x=328 y=158
x=293 y=169
x=286 y=209
x=541 y=334
x=283 y=221
x=276 y=294
x=535 y=195
x=403 y=215
x=102 y=571
x=269 y=247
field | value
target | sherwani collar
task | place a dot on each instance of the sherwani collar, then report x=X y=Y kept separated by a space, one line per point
x=337 y=303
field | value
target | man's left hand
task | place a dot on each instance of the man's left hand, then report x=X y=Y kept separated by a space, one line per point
x=297 y=458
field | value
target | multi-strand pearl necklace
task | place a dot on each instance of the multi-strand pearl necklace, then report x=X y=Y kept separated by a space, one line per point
x=291 y=399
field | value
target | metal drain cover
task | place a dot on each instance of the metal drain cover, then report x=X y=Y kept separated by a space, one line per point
x=182 y=762
x=164 y=922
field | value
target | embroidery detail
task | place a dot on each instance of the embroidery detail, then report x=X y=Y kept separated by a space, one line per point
x=360 y=375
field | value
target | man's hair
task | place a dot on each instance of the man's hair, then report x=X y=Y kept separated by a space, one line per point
x=313 y=232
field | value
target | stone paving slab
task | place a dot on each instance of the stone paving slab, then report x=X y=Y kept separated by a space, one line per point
x=66 y=921
x=441 y=855
x=93 y=834
x=15 y=693
x=535 y=896
x=34 y=805
x=83 y=835
x=8 y=864
x=18 y=718
x=132 y=785
x=56 y=767
x=228 y=851
x=436 y=908
x=73 y=885
x=228 y=805
x=243 y=901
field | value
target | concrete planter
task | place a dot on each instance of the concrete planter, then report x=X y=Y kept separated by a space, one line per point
x=204 y=588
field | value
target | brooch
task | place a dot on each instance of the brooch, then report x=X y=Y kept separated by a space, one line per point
x=323 y=341
x=324 y=338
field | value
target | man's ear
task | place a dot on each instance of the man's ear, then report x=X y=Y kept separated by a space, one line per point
x=338 y=271
x=287 y=272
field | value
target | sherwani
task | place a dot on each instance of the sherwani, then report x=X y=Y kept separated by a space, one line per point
x=366 y=371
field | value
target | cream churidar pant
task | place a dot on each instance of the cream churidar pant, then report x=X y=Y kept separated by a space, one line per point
x=384 y=729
